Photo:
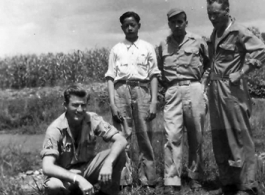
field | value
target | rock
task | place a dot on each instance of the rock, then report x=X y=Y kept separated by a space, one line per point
x=29 y=172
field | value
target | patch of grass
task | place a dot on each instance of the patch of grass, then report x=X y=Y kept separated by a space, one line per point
x=13 y=160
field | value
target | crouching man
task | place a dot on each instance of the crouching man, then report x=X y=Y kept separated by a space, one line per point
x=69 y=159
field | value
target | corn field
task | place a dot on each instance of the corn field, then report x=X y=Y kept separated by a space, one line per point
x=53 y=69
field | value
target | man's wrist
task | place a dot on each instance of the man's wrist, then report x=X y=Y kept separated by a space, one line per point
x=242 y=72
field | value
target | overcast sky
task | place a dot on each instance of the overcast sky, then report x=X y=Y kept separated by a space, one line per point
x=42 y=26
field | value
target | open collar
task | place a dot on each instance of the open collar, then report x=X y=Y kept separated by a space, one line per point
x=64 y=125
x=129 y=44
x=233 y=28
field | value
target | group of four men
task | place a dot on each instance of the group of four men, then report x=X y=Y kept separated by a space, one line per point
x=134 y=69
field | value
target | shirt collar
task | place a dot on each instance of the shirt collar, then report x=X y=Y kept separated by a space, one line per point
x=129 y=44
x=63 y=122
x=187 y=37
x=234 y=27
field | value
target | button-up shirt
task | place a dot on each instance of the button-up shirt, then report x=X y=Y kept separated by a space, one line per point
x=132 y=61
x=228 y=53
x=184 y=61
x=60 y=143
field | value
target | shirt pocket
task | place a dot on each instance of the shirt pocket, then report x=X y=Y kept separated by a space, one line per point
x=66 y=153
x=169 y=60
x=227 y=51
x=190 y=62
x=191 y=57
x=142 y=63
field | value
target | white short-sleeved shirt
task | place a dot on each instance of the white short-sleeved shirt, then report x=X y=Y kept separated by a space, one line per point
x=132 y=61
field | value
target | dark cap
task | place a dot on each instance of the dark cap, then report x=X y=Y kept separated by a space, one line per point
x=174 y=12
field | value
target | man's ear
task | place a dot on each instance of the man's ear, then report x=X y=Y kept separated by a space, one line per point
x=139 y=26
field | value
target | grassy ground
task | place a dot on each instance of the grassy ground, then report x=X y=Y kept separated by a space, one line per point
x=15 y=159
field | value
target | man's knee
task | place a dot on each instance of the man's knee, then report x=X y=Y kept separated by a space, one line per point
x=54 y=186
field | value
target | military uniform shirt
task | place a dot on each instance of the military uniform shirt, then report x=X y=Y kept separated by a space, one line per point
x=59 y=141
x=184 y=61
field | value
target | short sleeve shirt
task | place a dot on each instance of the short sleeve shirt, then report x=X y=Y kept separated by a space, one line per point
x=60 y=143
x=132 y=61
x=184 y=61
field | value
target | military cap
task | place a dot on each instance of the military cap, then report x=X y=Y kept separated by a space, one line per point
x=174 y=12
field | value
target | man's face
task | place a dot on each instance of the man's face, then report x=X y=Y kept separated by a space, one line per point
x=130 y=28
x=217 y=15
x=178 y=24
x=76 y=108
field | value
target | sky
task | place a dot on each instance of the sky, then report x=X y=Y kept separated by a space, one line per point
x=42 y=26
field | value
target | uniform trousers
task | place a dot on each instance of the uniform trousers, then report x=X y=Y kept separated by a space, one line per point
x=90 y=171
x=185 y=108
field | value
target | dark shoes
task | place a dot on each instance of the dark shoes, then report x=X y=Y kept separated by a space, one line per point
x=232 y=190
x=195 y=185
x=172 y=190
x=248 y=192
x=125 y=190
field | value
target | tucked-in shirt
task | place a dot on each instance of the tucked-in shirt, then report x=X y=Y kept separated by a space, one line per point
x=237 y=46
x=59 y=141
x=132 y=61
x=184 y=61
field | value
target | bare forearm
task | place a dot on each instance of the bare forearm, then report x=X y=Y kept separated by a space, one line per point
x=110 y=82
x=53 y=170
x=116 y=149
x=154 y=84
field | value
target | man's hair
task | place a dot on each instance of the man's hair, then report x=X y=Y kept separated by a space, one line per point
x=77 y=90
x=225 y=3
x=130 y=14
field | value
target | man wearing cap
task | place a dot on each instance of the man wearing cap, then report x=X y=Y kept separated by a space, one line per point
x=234 y=51
x=132 y=84
x=182 y=60
x=69 y=159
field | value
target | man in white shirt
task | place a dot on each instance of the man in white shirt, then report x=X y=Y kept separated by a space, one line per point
x=132 y=84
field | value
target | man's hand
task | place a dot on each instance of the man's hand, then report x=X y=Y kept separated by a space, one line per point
x=152 y=111
x=116 y=113
x=84 y=185
x=105 y=174
x=235 y=77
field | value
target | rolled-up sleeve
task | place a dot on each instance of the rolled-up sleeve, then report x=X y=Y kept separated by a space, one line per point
x=111 y=72
x=50 y=144
x=255 y=49
x=102 y=128
x=152 y=60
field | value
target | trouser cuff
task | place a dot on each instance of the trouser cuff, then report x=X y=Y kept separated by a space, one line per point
x=172 y=181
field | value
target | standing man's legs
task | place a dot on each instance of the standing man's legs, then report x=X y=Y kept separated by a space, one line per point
x=173 y=122
x=133 y=102
x=194 y=106
x=143 y=128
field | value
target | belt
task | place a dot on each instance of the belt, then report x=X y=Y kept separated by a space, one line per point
x=215 y=77
x=181 y=82
x=134 y=83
